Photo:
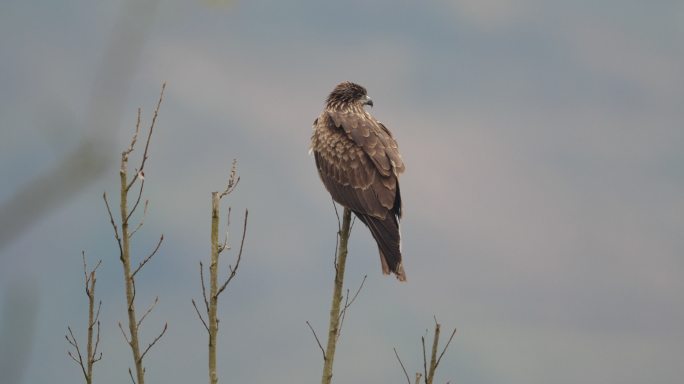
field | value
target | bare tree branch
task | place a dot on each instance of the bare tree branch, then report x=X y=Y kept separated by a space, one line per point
x=131 y=302
x=200 y=315
x=422 y=339
x=337 y=237
x=116 y=229
x=233 y=271
x=339 y=223
x=134 y=139
x=137 y=200
x=156 y=300
x=154 y=342
x=351 y=227
x=445 y=348
x=97 y=316
x=233 y=180
x=74 y=343
x=124 y=334
x=402 y=366
x=142 y=220
x=357 y=292
x=317 y=340
x=225 y=244
x=97 y=343
x=142 y=263
x=139 y=172
x=347 y=304
x=204 y=289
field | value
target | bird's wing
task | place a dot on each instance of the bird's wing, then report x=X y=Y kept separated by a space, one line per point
x=358 y=174
x=375 y=139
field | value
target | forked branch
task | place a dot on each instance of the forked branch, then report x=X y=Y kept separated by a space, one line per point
x=123 y=239
x=430 y=368
x=215 y=288
x=93 y=339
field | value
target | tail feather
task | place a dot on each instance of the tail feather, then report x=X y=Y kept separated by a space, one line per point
x=387 y=236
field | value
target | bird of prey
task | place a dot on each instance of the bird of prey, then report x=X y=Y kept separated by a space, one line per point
x=359 y=163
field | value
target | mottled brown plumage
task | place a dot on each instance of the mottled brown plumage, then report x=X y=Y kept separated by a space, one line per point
x=359 y=163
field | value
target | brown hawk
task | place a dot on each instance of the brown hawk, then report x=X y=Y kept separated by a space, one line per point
x=359 y=163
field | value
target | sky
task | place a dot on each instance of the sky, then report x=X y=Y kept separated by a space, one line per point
x=543 y=193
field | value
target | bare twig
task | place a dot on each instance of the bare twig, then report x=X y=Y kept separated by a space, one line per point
x=339 y=223
x=149 y=346
x=204 y=289
x=128 y=341
x=132 y=297
x=142 y=220
x=97 y=316
x=348 y=303
x=116 y=228
x=156 y=300
x=145 y=260
x=130 y=373
x=72 y=340
x=225 y=244
x=402 y=366
x=343 y=311
x=139 y=172
x=233 y=271
x=445 y=348
x=357 y=291
x=233 y=180
x=317 y=340
x=86 y=276
x=134 y=139
x=337 y=244
x=200 y=315
x=422 y=339
x=97 y=343
x=137 y=200
x=339 y=233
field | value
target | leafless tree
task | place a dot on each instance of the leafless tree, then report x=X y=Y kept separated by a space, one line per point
x=123 y=235
x=428 y=370
x=93 y=339
x=211 y=324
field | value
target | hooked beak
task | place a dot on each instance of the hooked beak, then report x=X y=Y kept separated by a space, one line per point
x=368 y=101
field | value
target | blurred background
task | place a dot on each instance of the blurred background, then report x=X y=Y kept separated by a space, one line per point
x=544 y=190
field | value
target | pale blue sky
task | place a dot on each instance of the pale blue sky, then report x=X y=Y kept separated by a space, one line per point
x=544 y=190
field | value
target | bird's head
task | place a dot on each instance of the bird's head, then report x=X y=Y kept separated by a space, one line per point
x=347 y=94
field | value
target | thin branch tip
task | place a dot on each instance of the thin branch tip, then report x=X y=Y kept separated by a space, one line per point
x=402 y=366
x=317 y=340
